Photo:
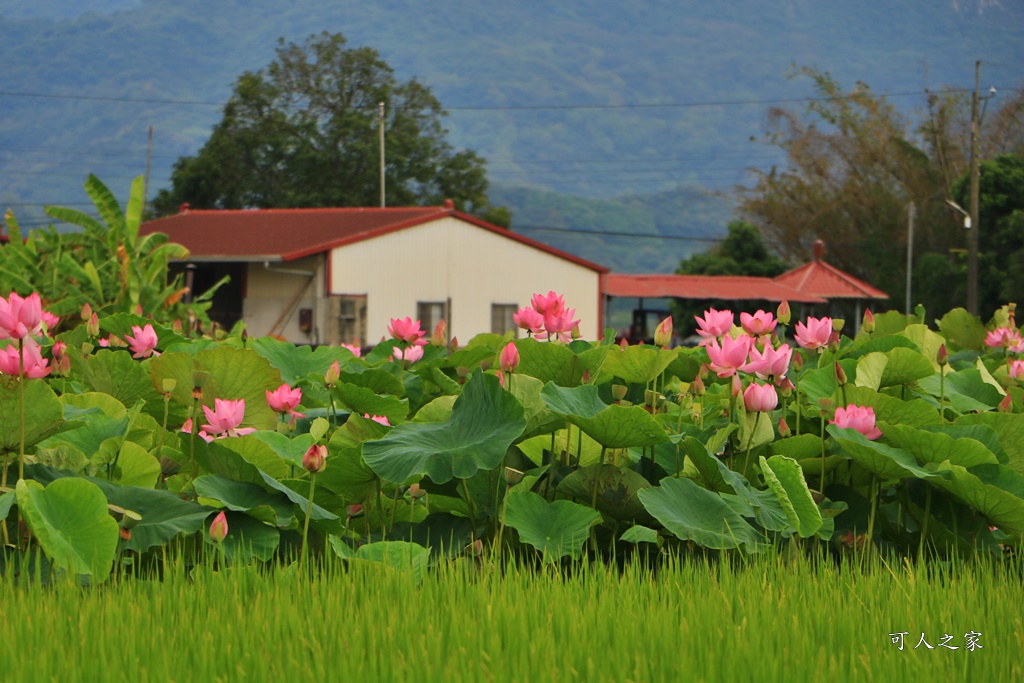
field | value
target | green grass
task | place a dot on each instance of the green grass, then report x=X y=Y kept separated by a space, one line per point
x=772 y=621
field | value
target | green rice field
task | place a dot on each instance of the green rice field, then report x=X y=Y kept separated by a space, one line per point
x=774 y=619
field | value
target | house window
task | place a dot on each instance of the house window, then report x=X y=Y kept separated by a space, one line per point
x=501 y=318
x=429 y=314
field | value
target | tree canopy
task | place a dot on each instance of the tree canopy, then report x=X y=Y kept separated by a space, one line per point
x=855 y=164
x=304 y=132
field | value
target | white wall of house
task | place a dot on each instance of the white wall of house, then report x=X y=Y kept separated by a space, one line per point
x=451 y=258
x=274 y=297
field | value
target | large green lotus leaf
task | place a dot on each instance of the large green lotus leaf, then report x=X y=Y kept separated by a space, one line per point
x=485 y=421
x=316 y=512
x=118 y=374
x=215 y=458
x=364 y=401
x=106 y=403
x=1009 y=427
x=695 y=514
x=346 y=473
x=870 y=369
x=377 y=380
x=7 y=500
x=177 y=368
x=799 y=447
x=259 y=453
x=963 y=329
x=44 y=414
x=540 y=419
x=240 y=374
x=882 y=344
x=915 y=412
x=270 y=507
x=438 y=410
x=892 y=322
x=638 y=364
x=136 y=467
x=982 y=433
x=927 y=342
x=616 y=489
x=445 y=384
x=995 y=491
x=585 y=363
x=685 y=365
x=88 y=438
x=557 y=529
x=397 y=555
x=582 y=401
x=164 y=514
x=786 y=480
x=639 y=534
x=710 y=469
x=755 y=428
x=884 y=461
x=936 y=447
x=818 y=383
x=542 y=360
x=249 y=538
x=612 y=426
x=122 y=323
x=290 y=449
x=69 y=518
x=295 y=362
x=905 y=366
x=965 y=390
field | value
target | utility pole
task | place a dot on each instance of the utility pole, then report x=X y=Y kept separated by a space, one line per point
x=911 y=215
x=380 y=120
x=972 y=235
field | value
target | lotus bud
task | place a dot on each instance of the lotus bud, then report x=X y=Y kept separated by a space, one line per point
x=177 y=326
x=476 y=548
x=576 y=334
x=462 y=372
x=825 y=405
x=454 y=345
x=315 y=459
x=585 y=377
x=440 y=334
x=92 y=327
x=697 y=387
x=797 y=362
x=663 y=333
x=501 y=380
x=1011 y=311
x=840 y=374
x=416 y=491
x=333 y=374
x=354 y=510
x=737 y=386
x=833 y=342
x=703 y=372
x=509 y=357
x=838 y=324
x=513 y=476
x=219 y=528
x=619 y=391
x=1006 y=405
x=623 y=343
x=942 y=357
x=784 y=430
x=86 y=312
x=868 y=324
x=782 y=313
x=786 y=388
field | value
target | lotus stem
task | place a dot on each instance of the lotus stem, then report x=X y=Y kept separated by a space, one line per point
x=924 y=524
x=469 y=504
x=21 y=402
x=874 y=509
x=305 y=527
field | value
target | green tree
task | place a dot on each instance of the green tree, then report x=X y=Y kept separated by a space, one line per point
x=303 y=132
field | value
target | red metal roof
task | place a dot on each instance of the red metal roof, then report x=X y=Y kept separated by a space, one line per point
x=725 y=287
x=288 y=234
x=821 y=279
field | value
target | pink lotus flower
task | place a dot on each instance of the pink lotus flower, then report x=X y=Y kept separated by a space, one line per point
x=144 y=341
x=861 y=418
x=1017 y=369
x=529 y=319
x=50 y=320
x=407 y=330
x=315 y=459
x=760 y=398
x=34 y=366
x=187 y=429
x=20 y=318
x=771 y=362
x=663 y=333
x=379 y=419
x=714 y=324
x=284 y=400
x=219 y=528
x=354 y=348
x=759 y=324
x=560 y=324
x=1003 y=336
x=411 y=354
x=548 y=303
x=226 y=417
x=816 y=334
x=730 y=356
x=509 y=358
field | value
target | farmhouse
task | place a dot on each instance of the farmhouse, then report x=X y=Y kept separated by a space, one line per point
x=338 y=275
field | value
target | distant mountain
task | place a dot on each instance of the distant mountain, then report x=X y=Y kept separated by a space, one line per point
x=588 y=98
